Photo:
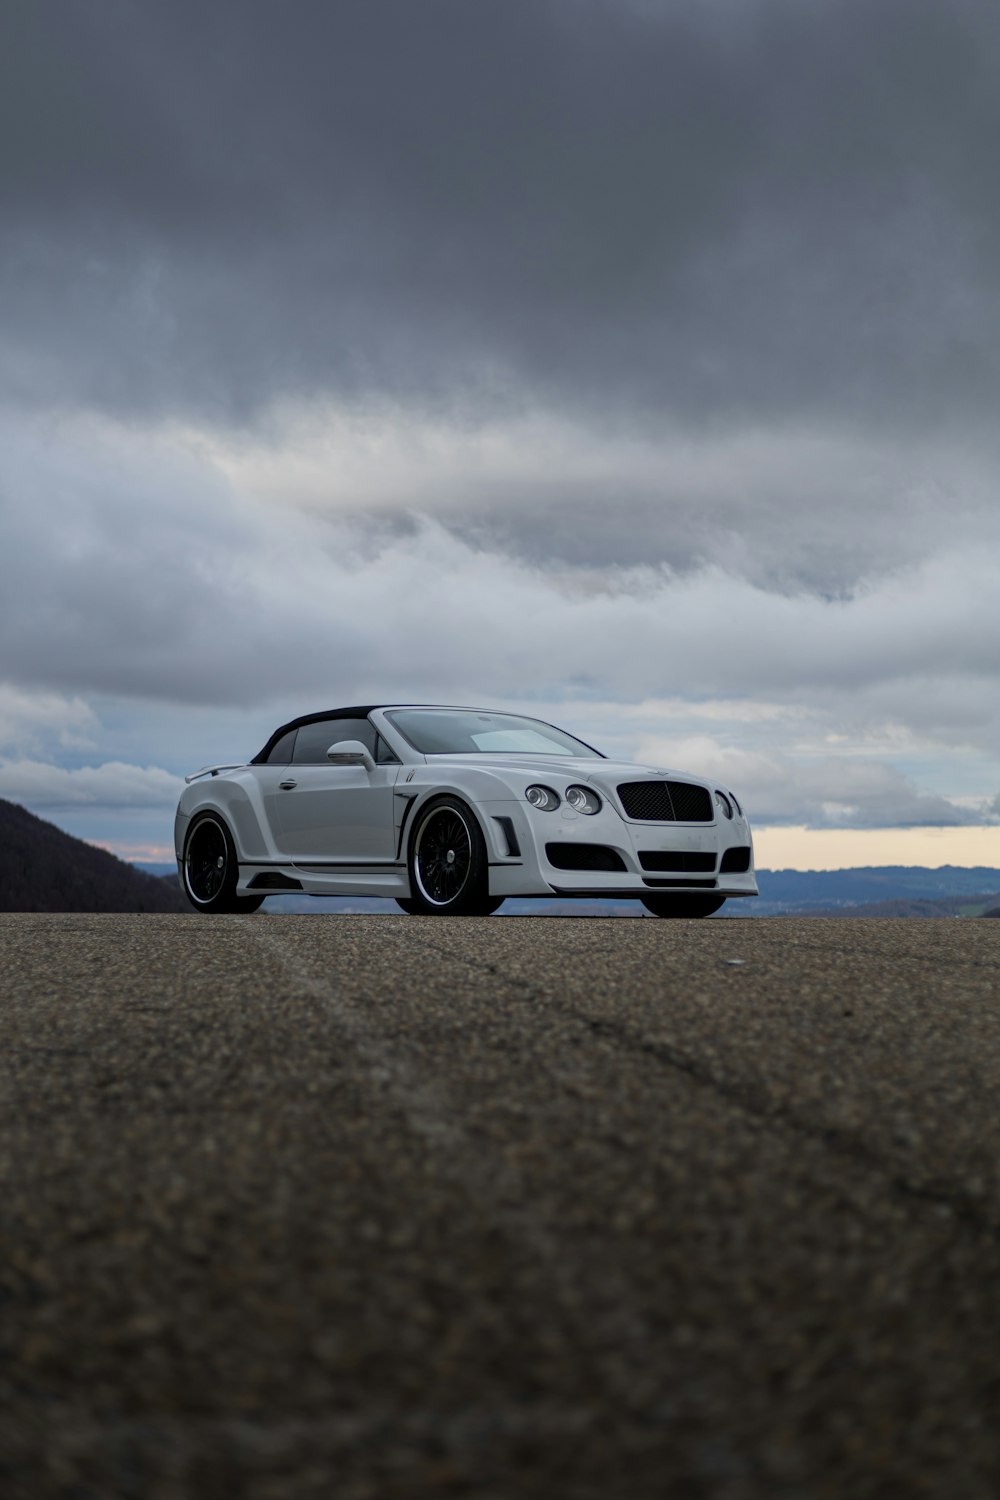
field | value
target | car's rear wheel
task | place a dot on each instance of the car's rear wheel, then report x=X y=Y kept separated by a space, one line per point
x=682 y=906
x=449 y=871
x=211 y=869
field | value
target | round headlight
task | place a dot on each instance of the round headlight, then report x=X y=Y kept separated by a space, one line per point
x=582 y=800
x=724 y=803
x=739 y=810
x=543 y=797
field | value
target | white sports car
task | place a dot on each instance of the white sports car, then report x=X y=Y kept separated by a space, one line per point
x=450 y=810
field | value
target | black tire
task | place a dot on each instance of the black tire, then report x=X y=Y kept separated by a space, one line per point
x=682 y=906
x=211 y=869
x=484 y=909
x=447 y=862
x=487 y=907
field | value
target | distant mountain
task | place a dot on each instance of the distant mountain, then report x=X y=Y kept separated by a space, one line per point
x=877 y=891
x=956 y=906
x=843 y=892
x=44 y=869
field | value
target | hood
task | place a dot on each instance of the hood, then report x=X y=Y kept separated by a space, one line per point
x=575 y=768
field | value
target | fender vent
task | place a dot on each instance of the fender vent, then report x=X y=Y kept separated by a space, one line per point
x=507 y=829
x=273 y=880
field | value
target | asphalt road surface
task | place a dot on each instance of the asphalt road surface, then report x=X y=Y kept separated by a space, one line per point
x=387 y=1208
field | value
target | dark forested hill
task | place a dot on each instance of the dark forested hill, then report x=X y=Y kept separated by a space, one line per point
x=44 y=869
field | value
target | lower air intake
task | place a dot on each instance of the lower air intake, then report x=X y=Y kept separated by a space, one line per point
x=583 y=857
x=683 y=859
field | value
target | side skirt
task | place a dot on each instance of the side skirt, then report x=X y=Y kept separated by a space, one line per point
x=389 y=879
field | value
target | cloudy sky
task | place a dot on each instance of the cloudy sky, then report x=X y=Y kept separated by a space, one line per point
x=634 y=362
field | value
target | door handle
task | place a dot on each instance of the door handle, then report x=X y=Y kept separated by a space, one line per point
x=286 y=786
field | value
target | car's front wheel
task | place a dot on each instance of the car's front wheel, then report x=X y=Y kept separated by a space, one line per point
x=682 y=906
x=211 y=869
x=448 y=865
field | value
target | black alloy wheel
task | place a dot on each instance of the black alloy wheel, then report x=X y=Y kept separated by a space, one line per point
x=211 y=869
x=682 y=906
x=448 y=867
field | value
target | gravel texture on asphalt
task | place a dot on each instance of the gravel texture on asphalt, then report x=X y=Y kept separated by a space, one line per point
x=379 y=1208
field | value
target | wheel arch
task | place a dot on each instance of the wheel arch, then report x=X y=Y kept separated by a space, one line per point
x=457 y=794
x=431 y=794
x=231 y=802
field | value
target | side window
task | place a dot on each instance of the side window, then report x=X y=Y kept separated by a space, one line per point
x=383 y=755
x=281 y=755
x=315 y=739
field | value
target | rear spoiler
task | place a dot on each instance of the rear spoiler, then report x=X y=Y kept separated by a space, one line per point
x=211 y=771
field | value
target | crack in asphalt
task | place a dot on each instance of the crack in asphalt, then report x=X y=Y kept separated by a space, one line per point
x=427 y=1106
x=841 y=1143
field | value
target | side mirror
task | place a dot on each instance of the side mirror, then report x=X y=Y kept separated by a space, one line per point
x=350 y=753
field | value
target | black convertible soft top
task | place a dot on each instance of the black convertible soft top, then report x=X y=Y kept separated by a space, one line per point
x=361 y=712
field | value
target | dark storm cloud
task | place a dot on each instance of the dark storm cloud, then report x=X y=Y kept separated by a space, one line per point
x=715 y=211
x=639 y=354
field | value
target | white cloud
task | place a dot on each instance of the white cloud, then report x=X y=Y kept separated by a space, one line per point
x=216 y=613
x=823 y=791
x=794 y=506
x=163 y=582
x=112 y=785
x=29 y=718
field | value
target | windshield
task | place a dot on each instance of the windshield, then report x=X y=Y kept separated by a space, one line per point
x=467 y=731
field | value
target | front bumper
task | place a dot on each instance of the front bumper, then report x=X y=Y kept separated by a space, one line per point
x=650 y=857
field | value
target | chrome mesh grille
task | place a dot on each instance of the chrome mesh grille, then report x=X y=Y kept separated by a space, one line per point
x=665 y=802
